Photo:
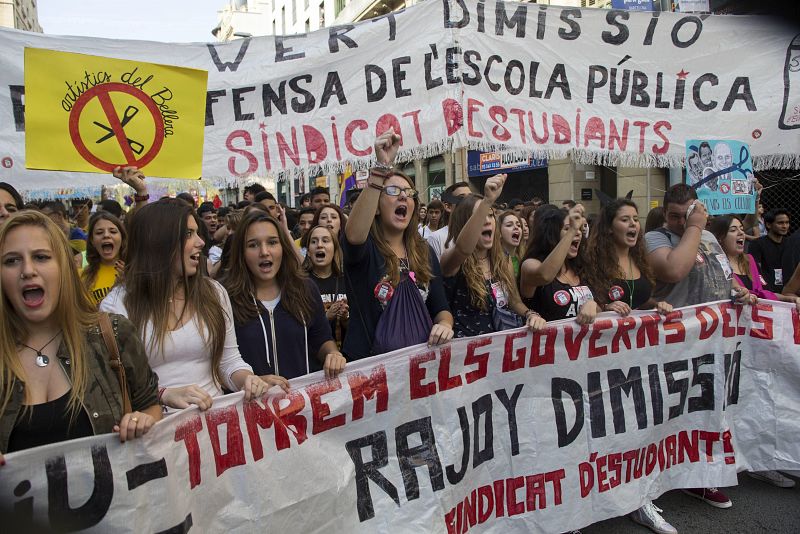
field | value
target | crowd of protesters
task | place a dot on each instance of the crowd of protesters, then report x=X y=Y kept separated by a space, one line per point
x=202 y=301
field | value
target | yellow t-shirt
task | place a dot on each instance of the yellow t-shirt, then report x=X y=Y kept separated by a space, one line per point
x=106 y=277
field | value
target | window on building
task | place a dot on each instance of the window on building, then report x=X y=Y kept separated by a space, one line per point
x=294 y=12
x=274 y=27
x=338 y=6
x=283 y=20
x=322 y=15
x=308 y=25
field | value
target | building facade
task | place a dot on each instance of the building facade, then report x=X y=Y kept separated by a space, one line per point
x=20 y=14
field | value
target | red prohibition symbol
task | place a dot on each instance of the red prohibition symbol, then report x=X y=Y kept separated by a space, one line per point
x=115 y=126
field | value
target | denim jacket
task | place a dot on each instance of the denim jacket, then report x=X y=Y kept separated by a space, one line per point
x=102 y=400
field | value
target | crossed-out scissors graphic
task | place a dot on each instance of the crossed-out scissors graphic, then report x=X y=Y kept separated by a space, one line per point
x=130 y=113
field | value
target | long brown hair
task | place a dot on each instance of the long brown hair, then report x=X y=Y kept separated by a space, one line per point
x=601 y=252
x=158 y=233
x=291 y=278
x=337 y=268
x=416 y=247
x=74 y=311
x=719 y=227
x=500 y=265
x=93 y=258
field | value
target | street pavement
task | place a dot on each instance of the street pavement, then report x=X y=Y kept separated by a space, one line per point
x=757 y=507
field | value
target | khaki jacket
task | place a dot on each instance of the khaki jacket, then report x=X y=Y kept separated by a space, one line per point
x=102 y=401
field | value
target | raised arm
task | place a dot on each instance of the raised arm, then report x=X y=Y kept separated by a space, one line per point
x=672 y=265
x=535 y=273
x=358 y=224
x=134 y=178
x=467 y=239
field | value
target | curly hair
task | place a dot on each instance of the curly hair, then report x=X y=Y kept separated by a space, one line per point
x=601 y=252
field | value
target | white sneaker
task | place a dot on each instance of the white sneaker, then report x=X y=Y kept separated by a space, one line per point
x=772 y=477
x=649 y=516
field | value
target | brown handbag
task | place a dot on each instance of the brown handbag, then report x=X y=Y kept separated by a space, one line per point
x=115 y=361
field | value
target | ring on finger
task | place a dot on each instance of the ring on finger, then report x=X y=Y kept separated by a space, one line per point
x=135 y=419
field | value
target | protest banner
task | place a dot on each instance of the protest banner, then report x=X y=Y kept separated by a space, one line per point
x=610 y=87
x=510 y=431
x=112 y=113
x=722 y=173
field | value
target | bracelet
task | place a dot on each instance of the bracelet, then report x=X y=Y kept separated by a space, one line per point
x=385 y=167
x=141 y=198
x=161 y=394
x=373 y=185
x=531 y=312
x=376 y=171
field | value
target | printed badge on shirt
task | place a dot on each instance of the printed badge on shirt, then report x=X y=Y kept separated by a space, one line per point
x=778 y=277
x=500 y=297
x=726 y=266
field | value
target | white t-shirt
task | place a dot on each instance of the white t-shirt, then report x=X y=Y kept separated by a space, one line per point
x=437 y=240
x=186 y=358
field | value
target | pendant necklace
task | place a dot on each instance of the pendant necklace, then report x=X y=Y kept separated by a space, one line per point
x=42 y=360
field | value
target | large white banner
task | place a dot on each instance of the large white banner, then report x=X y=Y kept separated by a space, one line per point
x=509 y=432
x=604 y=86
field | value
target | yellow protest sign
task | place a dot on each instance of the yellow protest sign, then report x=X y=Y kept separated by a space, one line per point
x=91 y=114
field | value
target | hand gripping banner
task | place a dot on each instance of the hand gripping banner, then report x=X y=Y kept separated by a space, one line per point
x=601 y=86
x=509 y=432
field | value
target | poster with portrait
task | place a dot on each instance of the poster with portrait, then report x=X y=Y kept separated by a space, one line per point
x=722 y=173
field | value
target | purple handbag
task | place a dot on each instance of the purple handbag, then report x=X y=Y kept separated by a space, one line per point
x=404 y=322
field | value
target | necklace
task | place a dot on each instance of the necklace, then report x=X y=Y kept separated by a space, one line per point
x=41 y=359
x=632 y=284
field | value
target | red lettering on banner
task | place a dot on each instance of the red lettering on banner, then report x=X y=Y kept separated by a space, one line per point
x=764 y=320
x=513 y=359
x=555 y=478
x=573 y=343
x=586 y=478
x=710 y=438
x=624 y=326
x=728 y=328
x=187 y=432
x=316 y=147
x=234 y=444
x=706 y=328
x=363 y=388
x=796 y=325
x=535 y=491
x=288 y=416
x=357 y=124
x=481 y=359
x=674 y=322
x=485 y=511
x=473 y=106
x=252 y=161
x=597 y=332
x=417 y=375
x=320 y=409
x=690 y=448
x=387 y=121
x=255 y=417
x=727 y=447
x=445 y=380
x=499 y=500
x=415 y=120
x=265 y=144
x=514 y=506
x=548 y=355
x=647 y=335
x=450 y=520
x=471 y=510
x=453 y=115
x=284 y=149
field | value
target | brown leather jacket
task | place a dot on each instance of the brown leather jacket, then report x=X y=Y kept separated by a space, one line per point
x=102 y=401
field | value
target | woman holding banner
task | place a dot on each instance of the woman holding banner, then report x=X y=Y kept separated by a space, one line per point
x=184 y=317
x=57 y=380
x=479 y=277
x=398 y=299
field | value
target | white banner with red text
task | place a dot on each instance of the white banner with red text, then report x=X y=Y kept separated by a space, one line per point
x=602 y=86
x=510 y=432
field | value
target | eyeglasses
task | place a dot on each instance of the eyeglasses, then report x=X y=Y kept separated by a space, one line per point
x=395 y=190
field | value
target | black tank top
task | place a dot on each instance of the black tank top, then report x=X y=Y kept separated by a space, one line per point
x=48 y=422
x=558 y=300
x=622 y=289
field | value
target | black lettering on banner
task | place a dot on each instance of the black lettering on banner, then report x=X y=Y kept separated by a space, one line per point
x=651 y=28
x=430 y=83
x=656 y=400
x=639 y=97
x=623 y=32
x=567 y=16
x=144 y=473
x=559 y=386
x=740 y=90
x=491 y=59
x=597 y=410
x=370 y=72
x=96 y=506
x=677 y=386
x=333 y=86
x=514 y=64
x=366 y=471
x=212 y=97
x=619 y=383
x=411 y=458
x=398 y=75
x=704 y=401
x=339 y=33
x=270 y=98
x=615 y=96
x=17 y=93
x=470 y=56
x=541 y=22
x=453 y=476
x=482 y=407
x=448 y=22
x=284 y=53
x=517 y=20
x=451 y=64
x=23 y=508
x=392 y=22
x=594 y=83
x=558 y=80
x=733 y=364
x=307 y=100
x=698 y=83
x=236 y=94
x=481 y=8
x=181 y=528
x=510 y=404
x=698 y=29
x=232 y=66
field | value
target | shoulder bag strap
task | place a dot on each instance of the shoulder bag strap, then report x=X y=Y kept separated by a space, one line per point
x=115 y=361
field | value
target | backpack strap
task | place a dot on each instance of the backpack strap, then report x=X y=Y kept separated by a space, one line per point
x=110 y=338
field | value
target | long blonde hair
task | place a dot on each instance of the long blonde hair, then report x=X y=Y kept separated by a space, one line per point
x=499 y=263
x=74 y=311
x=416 y=247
